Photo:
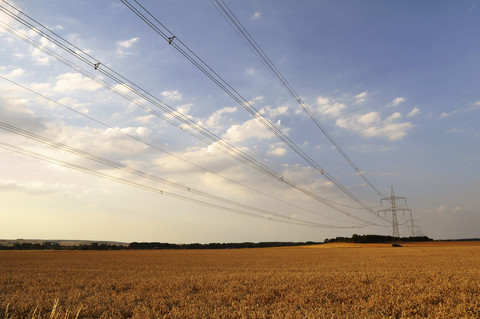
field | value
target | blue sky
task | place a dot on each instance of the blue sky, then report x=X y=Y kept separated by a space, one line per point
x=395 y=83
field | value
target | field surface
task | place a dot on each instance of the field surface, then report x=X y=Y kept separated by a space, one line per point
x=439 y=280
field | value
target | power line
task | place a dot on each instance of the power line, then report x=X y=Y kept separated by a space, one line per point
x=197 y=130
x=141 y=186
x=227 y=88
x=164 y=151
x=258 y=51
x=395 y=207
x=64 y=147
x=255 y=163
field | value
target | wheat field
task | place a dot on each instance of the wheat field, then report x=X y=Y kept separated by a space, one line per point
x=360 y=281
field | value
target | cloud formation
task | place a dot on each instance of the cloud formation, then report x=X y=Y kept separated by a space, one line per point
x=398 y=100
x=369 y=124
x=360 y=98
x=274 y=112
x=414 y=112
x=214 y=121
x=256 y=16
x=173 y=95
x=124 y=46
x=13 y=73
x=448 y=114
x=277 y=150
x=69 y=82
x=249 y=129
x=14 y=111
x=329 y=108
x=372 y=125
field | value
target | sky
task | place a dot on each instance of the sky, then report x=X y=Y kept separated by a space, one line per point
x=395 y=83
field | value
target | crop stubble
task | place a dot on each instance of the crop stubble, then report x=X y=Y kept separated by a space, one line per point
x=437 y=281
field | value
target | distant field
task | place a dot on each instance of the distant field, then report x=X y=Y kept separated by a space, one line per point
x=389 y=245
x=435 y=280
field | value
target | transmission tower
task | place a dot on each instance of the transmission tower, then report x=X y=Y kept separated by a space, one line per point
x=395 y=202
x=410 y=223
x=415 y=228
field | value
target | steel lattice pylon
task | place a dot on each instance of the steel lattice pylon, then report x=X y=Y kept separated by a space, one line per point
x=394 y=209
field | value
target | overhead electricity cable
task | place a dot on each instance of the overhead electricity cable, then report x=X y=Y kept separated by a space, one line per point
x=164 y=151
x=142 y=186
x=206 y=136
x=227 y=88
x=258 y=51
x=72 y=150
x=112 y=88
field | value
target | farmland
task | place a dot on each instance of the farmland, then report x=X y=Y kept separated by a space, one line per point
x=436 y=280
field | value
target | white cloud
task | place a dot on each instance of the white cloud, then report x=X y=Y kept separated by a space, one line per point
x=127 y=44
x=136 y=131
x=122 y=87
x=414 y=112
x=255 y=100
x=393 y=117
x=371 y=125
x=15 y=73
x=41 y=87
x=210 y=156
x=173 y=95
x=360 y=98
x=474 y=106
x=123 y=46
x=144 y=119
x=274 y=112
x=7 y=20
x=256 y=16
x=216 y=118
x=369 y=118
x=331 y=110
x=327 y=107
x=277 y=150
x=250 y=129
x=14 y=111
x=75 y=104
x=308 y=178
x=107 y=143
x=323 y=100
x=68 y=82
x=398 y=101
x=39 y=57
x=184 y=109
x=446 y=114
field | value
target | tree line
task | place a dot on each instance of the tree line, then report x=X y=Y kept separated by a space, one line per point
x=157 y=245
x=147 y=245
x=370 y=239
x=57 y=246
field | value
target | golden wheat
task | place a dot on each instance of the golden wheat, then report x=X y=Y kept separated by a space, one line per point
x=342 y=282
